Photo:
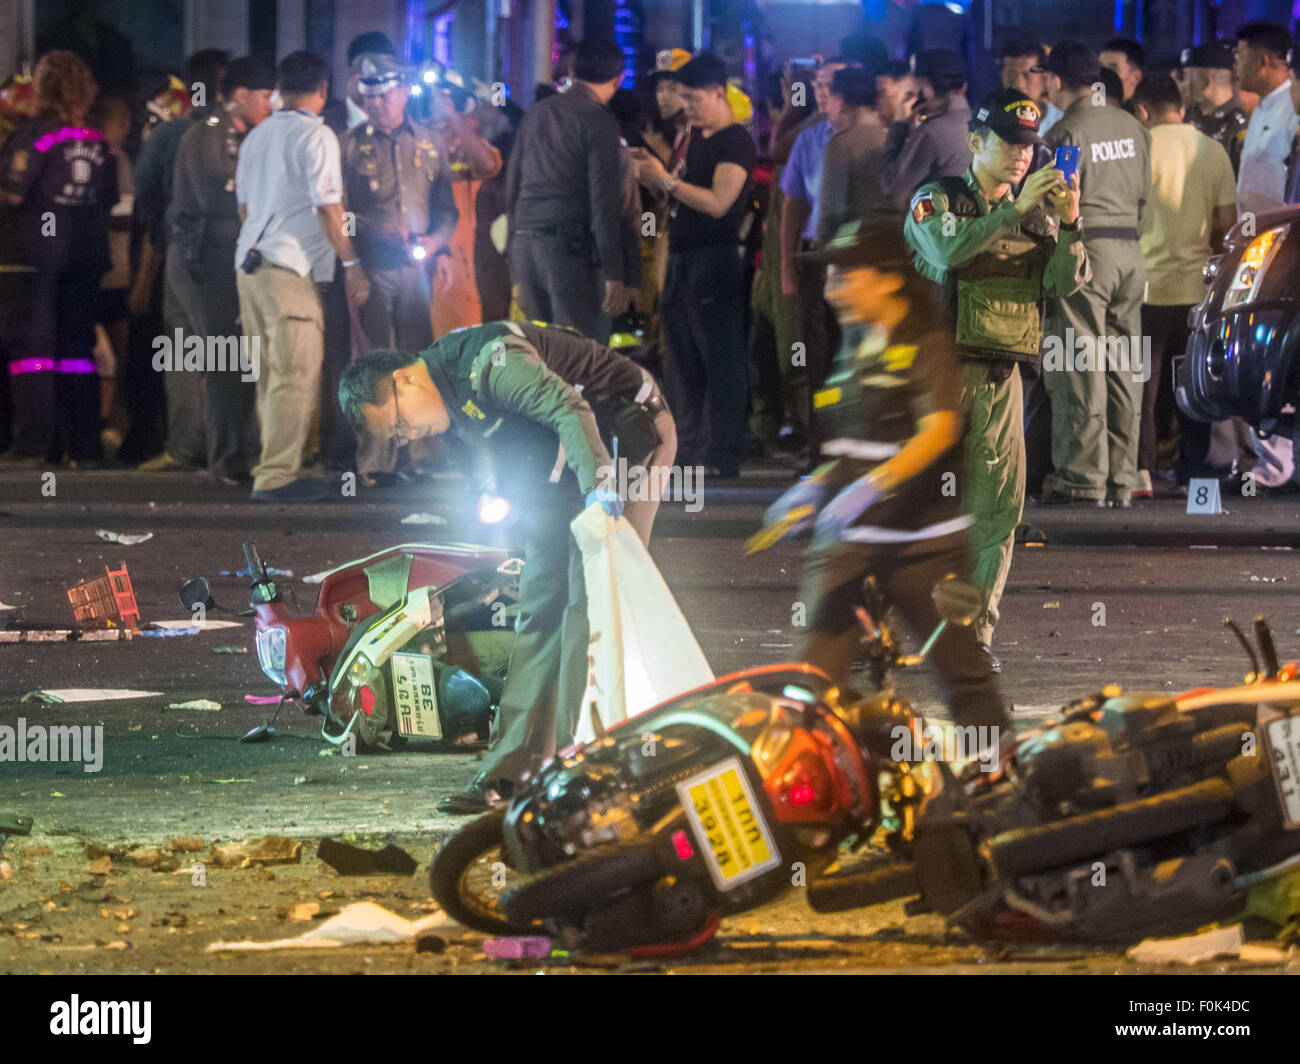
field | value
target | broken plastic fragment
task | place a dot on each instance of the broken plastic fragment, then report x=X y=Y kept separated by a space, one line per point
x=204 y=704
x=86 y=694
x=423 y=519
x=364 y=923
x=519 y=947
x=1191 y=949
x=127 y=540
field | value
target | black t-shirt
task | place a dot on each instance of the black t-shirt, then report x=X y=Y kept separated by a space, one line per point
x=879 y=389
x=692 y=229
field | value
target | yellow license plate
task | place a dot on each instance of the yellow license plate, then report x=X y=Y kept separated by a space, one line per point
x=728 y=824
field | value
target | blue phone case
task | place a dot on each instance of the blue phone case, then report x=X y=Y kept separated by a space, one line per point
x=1067 y=160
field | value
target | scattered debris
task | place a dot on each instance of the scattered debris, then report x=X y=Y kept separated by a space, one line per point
x=517 y=948
x=1190 y=949
x=204 y=625
x=166 y=633
x=303 y=911
x=6 y=870
x=354 y=861
x=65 y=635
x=230 y=650
x=1267 y=579
x=248 y=574
x=86 y=694
x=5 y=606
x=155 y=859
x=104 y=601
x=363 y=923
x=262 y=700
x=273 y=849
x=185 y=845
x=128 y=540
x=101 y=866
x=204 y=704
x=1052 y=605
x=423 y=519
x=94 y=852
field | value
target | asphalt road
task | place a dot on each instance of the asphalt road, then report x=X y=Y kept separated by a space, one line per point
x=1130 y=597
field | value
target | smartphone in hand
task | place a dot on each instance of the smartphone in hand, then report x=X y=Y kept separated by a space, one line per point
x=1067 y=161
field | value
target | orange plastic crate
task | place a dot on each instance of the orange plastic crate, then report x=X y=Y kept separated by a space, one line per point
x=106 y=601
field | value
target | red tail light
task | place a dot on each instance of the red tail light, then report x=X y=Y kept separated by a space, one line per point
x=367 y=701
x=683 y=846
x=803 y=790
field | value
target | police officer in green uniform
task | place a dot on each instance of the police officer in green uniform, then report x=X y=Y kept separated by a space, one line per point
x=890 y=415
x=1096 y=406
x=538 y=406
x=397 y=182
x=1002 y=255
x=1213 y=104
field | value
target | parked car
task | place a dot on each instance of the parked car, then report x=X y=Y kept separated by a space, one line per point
x=1241 y=358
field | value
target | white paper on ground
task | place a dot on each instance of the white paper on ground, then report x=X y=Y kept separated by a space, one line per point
x=4 y=606
x=361 y=924
x=96 y=694
x=206 y=626
x=1191 y=949
x=642 y=650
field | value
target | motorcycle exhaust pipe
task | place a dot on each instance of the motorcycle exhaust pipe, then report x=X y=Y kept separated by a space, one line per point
x=857 y=890
x=1015 y=853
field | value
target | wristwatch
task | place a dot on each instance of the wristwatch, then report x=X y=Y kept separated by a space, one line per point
x=668 y=184
x=1070 y=227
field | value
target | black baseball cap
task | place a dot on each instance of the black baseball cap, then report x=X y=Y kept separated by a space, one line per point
x=247 y=72
x=877 y=243
x=1216 y=55
x=942 y=66
x=1073 y=61
x=1011 y=114
x=705 y=69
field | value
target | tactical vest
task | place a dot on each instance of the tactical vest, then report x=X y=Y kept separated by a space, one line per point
x=999 y=294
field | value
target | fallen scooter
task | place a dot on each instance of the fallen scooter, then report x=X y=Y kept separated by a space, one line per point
x=1132 y=814
x=1129 y=815
x=711 y=804
x=409 y=643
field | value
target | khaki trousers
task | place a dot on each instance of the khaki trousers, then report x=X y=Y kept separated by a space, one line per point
x=283 y=311
x=995 y=481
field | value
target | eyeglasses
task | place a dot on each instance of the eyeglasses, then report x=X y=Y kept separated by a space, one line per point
x=401 y=430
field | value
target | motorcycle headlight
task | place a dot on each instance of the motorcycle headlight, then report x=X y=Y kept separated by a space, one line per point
x=271 y=645
x=1248 y=277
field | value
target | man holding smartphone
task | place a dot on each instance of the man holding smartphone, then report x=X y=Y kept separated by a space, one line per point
x=1001 y=255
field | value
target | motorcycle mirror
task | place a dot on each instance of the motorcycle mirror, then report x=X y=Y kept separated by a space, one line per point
x=195 y=592
x=957 y=601
x=263 y=733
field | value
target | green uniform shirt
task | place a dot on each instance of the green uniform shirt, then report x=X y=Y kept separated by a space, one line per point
x=530 y=398
x=1003 y=264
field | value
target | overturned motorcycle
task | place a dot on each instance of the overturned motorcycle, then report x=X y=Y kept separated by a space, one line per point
x=409 y=643
x=1137 y=813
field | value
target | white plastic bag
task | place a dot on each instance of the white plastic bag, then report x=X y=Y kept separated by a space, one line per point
x=640 y=651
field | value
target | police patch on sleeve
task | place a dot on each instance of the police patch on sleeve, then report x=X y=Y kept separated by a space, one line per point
x=922 y=207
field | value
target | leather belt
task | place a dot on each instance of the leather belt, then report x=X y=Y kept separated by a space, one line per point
x=1110 y=232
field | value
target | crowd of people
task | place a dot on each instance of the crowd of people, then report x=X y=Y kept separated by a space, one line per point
x=191 y=304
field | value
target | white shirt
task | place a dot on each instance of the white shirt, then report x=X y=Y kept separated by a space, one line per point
x=1051 y=116
x=1261 y=182
x=289 y=166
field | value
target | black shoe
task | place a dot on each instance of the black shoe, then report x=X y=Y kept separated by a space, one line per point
x=304 y=489
x=1052 y=497
x=481 y=795
x=1030 y=535
x=993 y=662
